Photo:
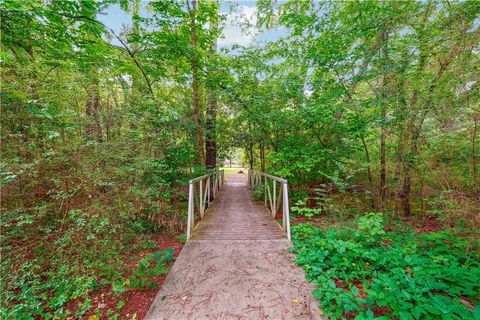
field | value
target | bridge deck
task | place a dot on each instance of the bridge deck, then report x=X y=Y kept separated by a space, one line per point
x=234 y=216
x=235 y=266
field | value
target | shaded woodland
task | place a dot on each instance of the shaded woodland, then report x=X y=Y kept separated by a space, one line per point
x=370 y=109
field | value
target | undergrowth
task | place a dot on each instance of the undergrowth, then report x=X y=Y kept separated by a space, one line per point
x=68 y=260
x=365 y=272
x=67 y=228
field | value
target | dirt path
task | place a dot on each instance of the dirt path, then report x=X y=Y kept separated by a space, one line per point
x=236 y=266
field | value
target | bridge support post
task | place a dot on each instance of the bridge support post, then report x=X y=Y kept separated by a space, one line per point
x=190 y=209
x=274 y=202
x=265 y=186
x=202 y=208
x=286 y=210
x=208 y=191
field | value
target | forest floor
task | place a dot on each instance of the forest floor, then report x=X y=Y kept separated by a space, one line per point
x=133 y=303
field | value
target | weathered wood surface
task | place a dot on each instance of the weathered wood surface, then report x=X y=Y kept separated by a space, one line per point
x=234 y=216
x=236 y=266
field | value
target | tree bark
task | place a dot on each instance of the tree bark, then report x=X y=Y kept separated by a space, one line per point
x=250 y=155
x=136 y=82
x=404 y=194
x=196 y=87
x=383 y=135
x=210 y=123
x=92 y=109
x=369 y=172
x=417 y=130
x=262 y=156
x=211 y=134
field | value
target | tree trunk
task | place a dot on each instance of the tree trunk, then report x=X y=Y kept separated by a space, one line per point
x=262 y=156
x=210 y=124
x=196 y=88
x=92 y=112
x=369 y=172
x=250 y=155
x=383 y=135
x=136 y=88
x=404 y=194
x=417 y=130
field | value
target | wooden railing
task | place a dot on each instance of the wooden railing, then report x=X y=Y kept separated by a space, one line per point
x=207 y=186
x=273 y=199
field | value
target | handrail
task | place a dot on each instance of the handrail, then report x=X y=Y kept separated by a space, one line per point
x=272 y=200
x=208 y=186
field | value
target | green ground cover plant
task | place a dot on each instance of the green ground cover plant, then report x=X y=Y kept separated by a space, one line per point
x=150 y=266
x=87 y=252
x=365 y=272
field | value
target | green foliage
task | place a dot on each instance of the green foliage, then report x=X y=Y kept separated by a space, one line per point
x=300 y=209
x=182 y=238
x=98 y=139
x=259 y=193
x=362 y=269
x=355 y=86
x=98 y=145
x=150 y=266
x=323 y=204
x=83 y=253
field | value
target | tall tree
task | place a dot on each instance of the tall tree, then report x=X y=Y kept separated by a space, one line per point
x=211 y=114
x=199 y=144
x=383 y=119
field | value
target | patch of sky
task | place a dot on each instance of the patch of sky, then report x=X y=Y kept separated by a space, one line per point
x=239 y=26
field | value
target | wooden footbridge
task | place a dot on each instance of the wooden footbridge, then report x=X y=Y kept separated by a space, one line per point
x=236 y=263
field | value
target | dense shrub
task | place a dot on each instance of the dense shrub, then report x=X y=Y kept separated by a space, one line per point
x=80 y=220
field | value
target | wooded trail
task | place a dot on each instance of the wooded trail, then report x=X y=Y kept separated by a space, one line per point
x=236 y=266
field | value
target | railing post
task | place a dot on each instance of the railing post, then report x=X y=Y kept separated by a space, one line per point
x=286 y=209
x=206 y=196
x=190 y=209
x=274 y=202
x=208 y=190
x=265 y=186
x=214 y=185
x=270 y=198
x=202 y=209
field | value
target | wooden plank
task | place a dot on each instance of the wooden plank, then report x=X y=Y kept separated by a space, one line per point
x=236 y=265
